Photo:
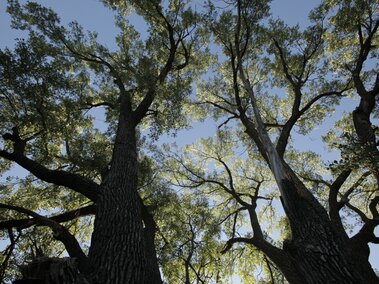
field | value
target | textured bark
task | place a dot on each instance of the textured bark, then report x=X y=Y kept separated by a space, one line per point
x=282 y=260
x=117 y=252
x=149 y=231
x=319 y=253
x=122 y=250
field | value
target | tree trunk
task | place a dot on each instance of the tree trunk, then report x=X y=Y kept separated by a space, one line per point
x=117 y=252
x=316 y=250
x=153 y=273
x=317 y=253
x=365 y=131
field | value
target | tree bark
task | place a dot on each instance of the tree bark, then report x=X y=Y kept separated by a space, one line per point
x=149 y=231
x=117 y=252
x=317 y=250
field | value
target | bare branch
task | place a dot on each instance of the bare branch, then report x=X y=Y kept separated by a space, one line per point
x=283 y=61
x=222 y=108
x=269 y=268
x=362 y=215
x=232 y=241
x=358 y=182
x=231 y=214
x=318 y=97
x=297 y=113
x=229 y=172
x=90 y=105
x=226 y=121
x=70 y=180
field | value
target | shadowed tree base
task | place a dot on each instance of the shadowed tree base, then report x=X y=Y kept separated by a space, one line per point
x=47 y=270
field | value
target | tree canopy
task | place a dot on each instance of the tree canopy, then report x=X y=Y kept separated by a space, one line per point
x=246 y=202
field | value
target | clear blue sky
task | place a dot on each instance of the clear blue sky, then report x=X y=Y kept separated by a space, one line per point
x=93 y=16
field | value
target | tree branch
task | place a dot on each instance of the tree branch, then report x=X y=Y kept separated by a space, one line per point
x=345 y=196
x=222 y=108
x=70 y=180
x=141 y=110
x=90 y=105
x=296 y=114
x=365 y=47
x=61 y=218
x=334 y=205
x=8 y=253
x=359 y=212
x=60 y=233
x=284 y=64
x=229 y=244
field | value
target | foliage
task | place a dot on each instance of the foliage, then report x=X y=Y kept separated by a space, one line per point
x=213 y=199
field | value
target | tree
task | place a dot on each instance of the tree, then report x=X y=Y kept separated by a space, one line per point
x=258 y=57
x=48 y=84
x=244 y=202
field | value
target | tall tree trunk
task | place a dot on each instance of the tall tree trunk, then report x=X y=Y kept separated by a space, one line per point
x=117 y=252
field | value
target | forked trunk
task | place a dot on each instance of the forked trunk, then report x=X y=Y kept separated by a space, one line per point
x=317 y=252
